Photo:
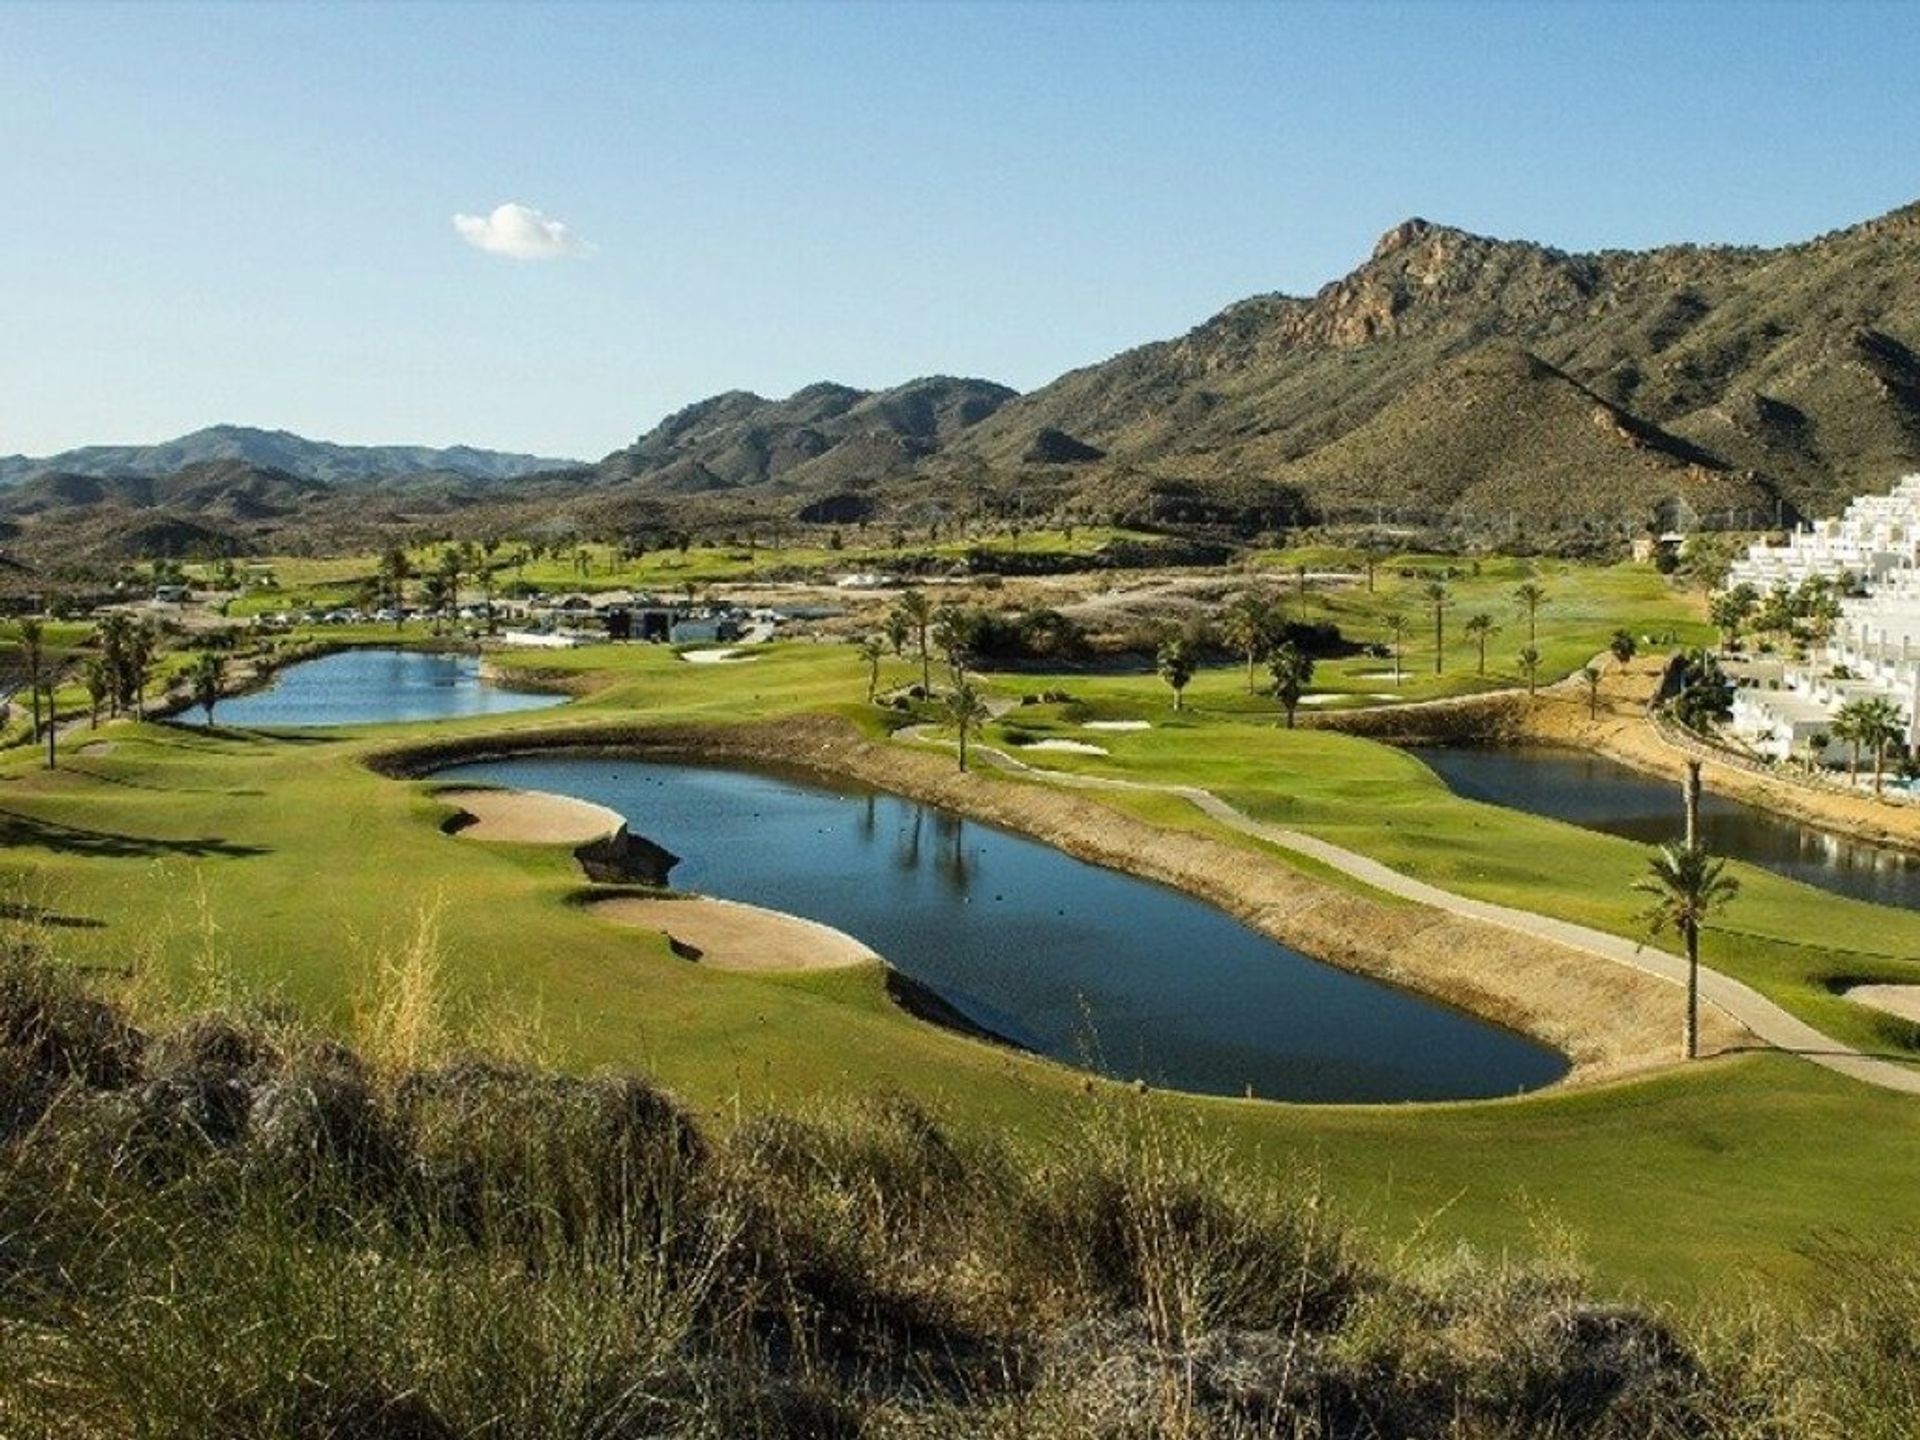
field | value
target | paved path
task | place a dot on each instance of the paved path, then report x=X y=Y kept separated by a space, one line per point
x=1768 y=1021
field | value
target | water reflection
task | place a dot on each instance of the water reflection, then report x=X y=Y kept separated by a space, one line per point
x=1059 y=956
x=1601 y=795
x=370 y=687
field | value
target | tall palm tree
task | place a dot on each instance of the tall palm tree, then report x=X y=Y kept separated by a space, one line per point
x=1397 y=627
x=1591 y=674
x=950 y=632
x=1439 y=598
x=1531 y=598
x=872 y=648
x=1292 y=670
x=1850 y=729
x=1481 y=628
x=1174 y=661
x=1881 y=729
x=99 y=682
x=1530 y=666
x=1687 y=886
x=897 y=631
x=394 y=570
x=33 y=654
x=1248 y=626
x=968 y=711
x=917 y=611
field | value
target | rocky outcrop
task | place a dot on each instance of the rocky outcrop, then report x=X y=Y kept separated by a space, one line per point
x=624 y=858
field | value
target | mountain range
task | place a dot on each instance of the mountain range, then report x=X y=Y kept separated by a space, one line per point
x=1491 y=385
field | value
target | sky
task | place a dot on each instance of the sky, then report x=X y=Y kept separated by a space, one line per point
x=543 y=227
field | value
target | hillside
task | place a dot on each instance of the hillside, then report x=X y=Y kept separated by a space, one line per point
x=278 y=450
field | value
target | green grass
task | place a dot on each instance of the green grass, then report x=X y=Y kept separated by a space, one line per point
x=286 y=866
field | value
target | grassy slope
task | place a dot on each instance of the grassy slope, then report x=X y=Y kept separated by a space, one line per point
x=302 y=863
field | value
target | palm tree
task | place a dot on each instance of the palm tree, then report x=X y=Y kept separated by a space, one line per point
x=1530 y=665
x=1439 y=598
x=1687 y=885
x=394 y=570
x=969 y=711
x=1481 y=628
x=1591 y=674
x=1623 y=647
x=1248 y=626
x=1531 y=598
x=99 y=682
x=1850 y=729
x=1175 y=664
x=871 y=650
x=1880 y=730
x=34 y=655
x=897 y=631
x=917 y=611
x=950 y=632
x=1397 y=627
x=208 y=675
x=1292 y=670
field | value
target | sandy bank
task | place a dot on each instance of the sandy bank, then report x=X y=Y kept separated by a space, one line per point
x=715 y=657
x=1900 y=1000
x=731 y=936
x=531 y=817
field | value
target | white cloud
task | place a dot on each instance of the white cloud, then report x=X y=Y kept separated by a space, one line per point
x=521 y=232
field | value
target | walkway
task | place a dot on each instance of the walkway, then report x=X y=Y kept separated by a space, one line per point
x=1766 y=1020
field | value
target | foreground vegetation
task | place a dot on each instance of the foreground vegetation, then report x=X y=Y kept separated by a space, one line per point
x=230 y=1226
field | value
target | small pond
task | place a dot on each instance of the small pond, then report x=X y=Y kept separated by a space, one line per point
x=373 y=687
x=1603 y=795
x=1086 y=965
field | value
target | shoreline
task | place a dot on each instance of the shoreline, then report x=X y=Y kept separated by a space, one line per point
x=733 y=936
x=1608 y=1021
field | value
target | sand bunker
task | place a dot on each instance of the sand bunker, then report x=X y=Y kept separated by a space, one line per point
x=1117 y=725
x=727 y=935
x=716 y=657
x=532 y=817
x=1376 y=675
x=1334 y=697
x=1073 y=747
x=1901 y=1000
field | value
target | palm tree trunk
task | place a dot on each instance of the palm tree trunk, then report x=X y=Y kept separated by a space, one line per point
x=1290 y=706
x=1879 y=764
x=1249 y=672
x=963 y=745
x=1439 y=639
x=1483 y=657
x=1691 y=1037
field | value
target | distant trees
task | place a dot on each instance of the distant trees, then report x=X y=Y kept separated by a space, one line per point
x=1705 y=697
x=1175 y=663
x=1292 y=671
x=916 y=611
x=207 y=679
x=1481 y=628
x=1439 y=598
x=968 y=711
x=127 y=649
x=1531 y=597
x=395 y=568
x=1730 y=610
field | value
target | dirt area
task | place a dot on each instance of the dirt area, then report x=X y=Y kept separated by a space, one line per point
x=531 y=817
x=1609 y=1019
x=727 y=935
x=1901 y=1000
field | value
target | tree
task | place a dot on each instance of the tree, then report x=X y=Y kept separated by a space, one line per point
x=33 y=656
x=1706 y=694
x=969 y=712
x=1850 y=730
x=1292 y=671
x=1531 y=598
x=1623 y=647
x=917 y=611
x=1397 y=627
x=1729 y=611
x=1687 y=886
x=897 y=631
x=1175 y=664
x=1439 y=598
x=99 y=682
x=206 y=679
x=1591 y=674
x=394 y=570
x=1248 y=626
x=1481 y=628
x=872 y=648
x=952 y=633
x=1876 y=724
x=1530 y=667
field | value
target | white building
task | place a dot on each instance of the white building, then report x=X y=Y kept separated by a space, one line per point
x=1874 y=650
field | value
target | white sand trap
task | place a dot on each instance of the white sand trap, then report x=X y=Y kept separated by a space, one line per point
x=532 y=817
x=1117 y=725
x=1901 y=1000
x=1375 y=675
x=1072 y=747
x=732 y=936
x=1334 y=697
x=716 y=657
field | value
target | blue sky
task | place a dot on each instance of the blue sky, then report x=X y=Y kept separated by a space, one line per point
x=245 y=212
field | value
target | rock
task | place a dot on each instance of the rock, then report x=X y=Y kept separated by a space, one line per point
x=624 y=858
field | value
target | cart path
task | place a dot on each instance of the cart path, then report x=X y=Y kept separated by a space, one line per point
x=1766 y=1020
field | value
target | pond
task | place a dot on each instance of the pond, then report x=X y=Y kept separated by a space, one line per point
x=373 y=687
x=1600 y=794
x=1086 y=965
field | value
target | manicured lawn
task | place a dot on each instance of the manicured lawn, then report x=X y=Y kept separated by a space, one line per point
x=283 y=867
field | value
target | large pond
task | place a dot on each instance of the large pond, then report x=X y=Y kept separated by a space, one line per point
x=1086 y=965
x=372 y=687
x=1603 y=795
